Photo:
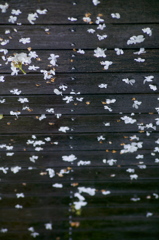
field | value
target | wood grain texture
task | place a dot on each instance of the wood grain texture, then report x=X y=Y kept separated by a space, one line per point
x=43 y=189
x=80 y=82
x=90 y=104
x=88 y=63
x=62 y=37
x=82 y=174
x=107 y=157
x=77 y=142
x=59 y=11
x=75 y=124
x=95 y=158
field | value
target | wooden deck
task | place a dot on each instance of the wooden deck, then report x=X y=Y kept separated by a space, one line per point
x=79 y=132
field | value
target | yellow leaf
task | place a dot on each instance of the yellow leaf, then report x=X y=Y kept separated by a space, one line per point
x=1 y=116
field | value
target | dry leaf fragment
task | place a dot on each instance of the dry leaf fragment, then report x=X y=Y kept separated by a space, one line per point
x=43 y=173
x=87 y=103
x=87 y=14
x=74 y=184
x=75 y=224
x=29 y=110
x=69 y=168
x=51 y=123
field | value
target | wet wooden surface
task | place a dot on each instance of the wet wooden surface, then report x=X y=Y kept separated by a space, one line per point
x=92 y=131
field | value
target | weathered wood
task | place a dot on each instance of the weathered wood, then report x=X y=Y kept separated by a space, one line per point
x=43 y=188
x=105 y=224
x=52 y=196
x=38 y=195
x=105 y=229
x=103 y=233
x=18 y=235
x=27 y=213
x=89 y=63
x=76 y=124
x=58 y=12
x=119 y=200
x=62 y=37
x=54 y=159
x=87 y=234
x=76 y=142
x=94 y=134
x=126 y=223
x=80 y=82
x=89 y=104
x=82 y=173
x=87 y=212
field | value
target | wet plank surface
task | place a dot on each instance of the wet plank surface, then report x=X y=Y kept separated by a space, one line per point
x=79 y=123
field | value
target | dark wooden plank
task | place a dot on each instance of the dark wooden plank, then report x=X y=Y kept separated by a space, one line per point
x=124 y=229
x=103 y=228
x=35 y=84
x=120 y=210
x=67 y=180
x=53 y=143
x=44 y=189
x=122 y=195
x=82 y=174
x=78 y=124
x=139 y=233
x=104 y=234
x=87 y=212
x=90 y=63
x=117 y=198
x=19 y=235
x=125 y=223
x=120 y=173
x=58 y=12
x=119 y=201
x=62 y=37
x=27 y=214
x=92 y=158
x=58 y=225
x=113 y=216
x=85 y=224
x=94 y=104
